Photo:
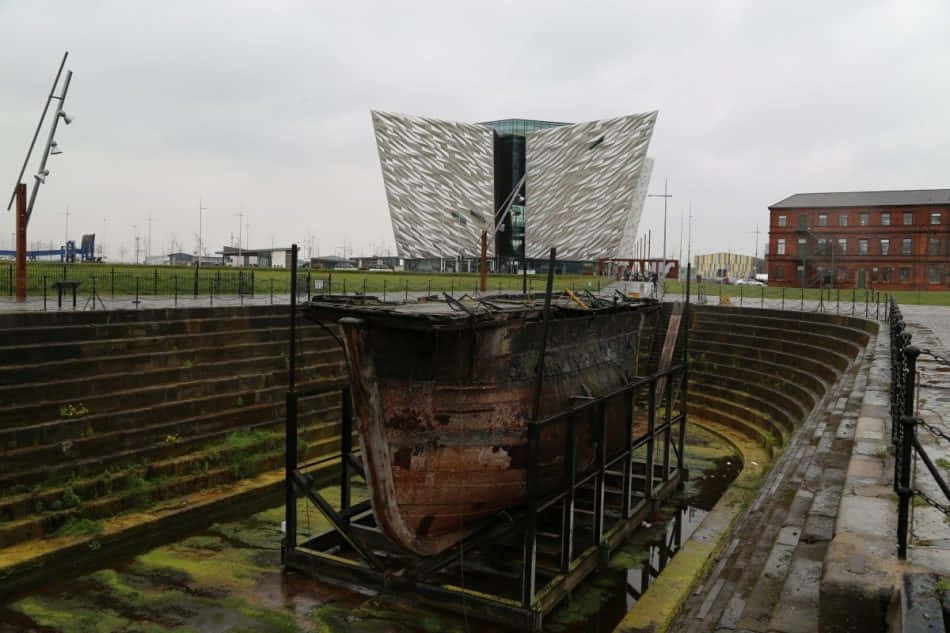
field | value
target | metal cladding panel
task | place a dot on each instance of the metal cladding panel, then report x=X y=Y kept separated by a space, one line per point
x=581 y=185
x=439 y=178
x=628 y=241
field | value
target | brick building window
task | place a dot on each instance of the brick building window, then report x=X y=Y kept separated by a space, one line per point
x=905 y=246
x=933 y=246
x=908 y=219
x=802 y=221
x=782 y=220
x=885 y=274
x=862 y=247
x=935 y=218
x=885 y=219
x=843 y=245
x=905 y=274
x=843 y=275
x=780 y=247
x=822 y=219
x=822 y=246
x=864 y=219
x=780 y=272
x=885 y=246
x=933 y=274
x=843 y=219
x=802 y=246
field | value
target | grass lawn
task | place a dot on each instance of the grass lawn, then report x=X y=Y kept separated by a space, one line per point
x=124 y=279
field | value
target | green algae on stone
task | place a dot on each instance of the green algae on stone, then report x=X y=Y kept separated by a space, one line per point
x=67 y=616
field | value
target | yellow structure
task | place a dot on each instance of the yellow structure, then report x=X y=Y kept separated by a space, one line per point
x=728 y=265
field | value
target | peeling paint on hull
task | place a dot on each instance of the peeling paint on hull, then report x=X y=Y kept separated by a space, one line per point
x=442 y=411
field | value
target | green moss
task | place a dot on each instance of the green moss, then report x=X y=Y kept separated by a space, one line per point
x=944 y=463
x=69 y=498
x=69 y=617
x=75 y=526
x=943 y=584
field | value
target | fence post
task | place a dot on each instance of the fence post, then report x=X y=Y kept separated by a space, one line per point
x=453 y=287
x=904 y=490
x=93 y=293
x=740 y=293
x=853 y=293
x=364 y=286
x=272 y=291
x=10 y=271
x=803 y=297
x=155 y=283
x=429 y=287
x=175 y=283
x=308 y=285
x=44 y=293
x=252 y=282
x=783 y=297
x=384 y=290
x=406 y=298
x=762 y=298
x=211 y=291
x=113 y=282
x=137 y=292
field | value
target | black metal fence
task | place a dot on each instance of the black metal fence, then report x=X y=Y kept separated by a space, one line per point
x=856 y=302
x=905 y=423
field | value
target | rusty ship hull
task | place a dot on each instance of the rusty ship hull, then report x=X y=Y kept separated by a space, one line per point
x=443 y=401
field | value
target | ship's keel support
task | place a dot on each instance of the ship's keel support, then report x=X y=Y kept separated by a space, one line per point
x=518 y=567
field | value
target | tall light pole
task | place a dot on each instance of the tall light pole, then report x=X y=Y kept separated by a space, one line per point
x=666 y=196
x=201 y=208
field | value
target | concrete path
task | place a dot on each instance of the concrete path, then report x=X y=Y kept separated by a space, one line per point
x=768 y=576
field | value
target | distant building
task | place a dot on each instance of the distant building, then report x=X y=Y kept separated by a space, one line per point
x=579 y=187
x=861 y=239
x=258 y=258
x=187 y=259
x=329 y=262
x=729 y=266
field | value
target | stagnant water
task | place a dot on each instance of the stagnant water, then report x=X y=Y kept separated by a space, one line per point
x=228 y=578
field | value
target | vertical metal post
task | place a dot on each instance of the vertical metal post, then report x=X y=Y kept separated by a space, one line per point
x=783 y=297
x=44 y=293
x=272 y=291
x=567 y=518
x=452 y=293
x=93 y=293
x=530 y=537
x=600 y=481
x=211 y=291
x=539 y=377
x=137 y=292
x=628 y=453
x=904 y=490
x=155 y=283
x=651 y=449
x=113 y=282
x=684 y=379
x=384 y=290
x=483 y=264
x=762 y=297
x=740 y=293
x=853 y=292
x=290 y=430
x=308 y=285
x=803 y=296
x=21 y=222
x=668 y=433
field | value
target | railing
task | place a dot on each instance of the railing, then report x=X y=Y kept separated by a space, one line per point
x=866 y=303
x=905 y=423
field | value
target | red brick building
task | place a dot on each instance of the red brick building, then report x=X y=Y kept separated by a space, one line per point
x=887 y=240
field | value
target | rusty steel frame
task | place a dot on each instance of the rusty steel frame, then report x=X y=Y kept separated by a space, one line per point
x=354 y=553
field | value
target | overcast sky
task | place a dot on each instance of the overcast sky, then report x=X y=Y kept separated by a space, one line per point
x=265 y=106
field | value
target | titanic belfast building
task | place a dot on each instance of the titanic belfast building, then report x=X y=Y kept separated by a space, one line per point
x=532 y=185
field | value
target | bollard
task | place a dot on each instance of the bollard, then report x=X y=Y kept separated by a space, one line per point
x=44 y=293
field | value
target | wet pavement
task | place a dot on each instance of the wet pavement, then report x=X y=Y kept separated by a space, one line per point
x=228 y=578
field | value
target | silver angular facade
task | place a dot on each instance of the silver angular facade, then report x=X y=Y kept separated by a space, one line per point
x=582 y=185
x=439 y=179
x=585 y=184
